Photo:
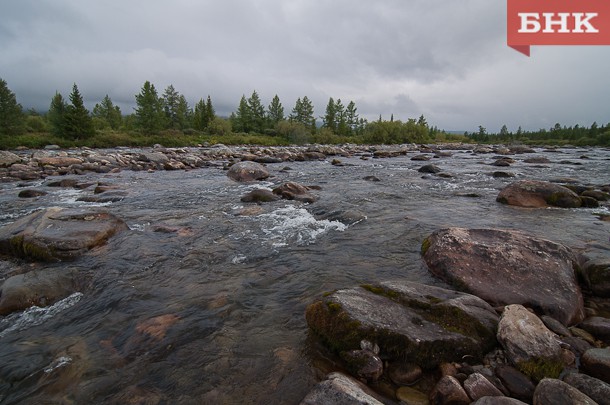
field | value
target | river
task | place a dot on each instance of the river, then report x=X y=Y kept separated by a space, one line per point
x=203 y=299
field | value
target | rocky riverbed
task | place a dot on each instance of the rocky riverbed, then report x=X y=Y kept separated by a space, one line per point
x=389 y=278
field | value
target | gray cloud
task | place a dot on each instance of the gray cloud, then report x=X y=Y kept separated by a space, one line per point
x=447 y=60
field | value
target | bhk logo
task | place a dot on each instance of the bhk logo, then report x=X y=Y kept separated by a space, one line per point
x=557 y=22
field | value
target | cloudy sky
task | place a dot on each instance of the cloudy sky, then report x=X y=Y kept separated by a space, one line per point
x=445 y=59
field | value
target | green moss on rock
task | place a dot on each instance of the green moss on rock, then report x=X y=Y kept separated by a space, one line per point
x=539 y=368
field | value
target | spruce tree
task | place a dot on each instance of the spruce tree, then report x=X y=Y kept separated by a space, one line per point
x=351 y=117
x=200 y=116
x=78 y=124
x=11 y=113
x=275 y=111
x=210 y=112
x=241 y=120
x=149 y=112
x=171 y=100
x=329 y=119
x=107 y=111
x=257 y=112
x=303 y=113
x=56 y=114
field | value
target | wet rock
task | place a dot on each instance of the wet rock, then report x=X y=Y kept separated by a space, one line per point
x=555 y=326
x=518 y=384
x=483 y=150
x=596 y=363
x=31 y=193
x=295 y=191
x=38 y=287
x=577 y=345
x=339 y=389
x=427 y=325
x=538 y=194
x=498 y=401
x=58 y=234
x=598 y=195
x=529 y=345
x=371 y=178
x=411 y=396
x=247 y=171
x=537 y=160
x=502 y=162
x=108 y=197
x=589 y=202
x=404 y=373
x=260 y=196
x=429 y=169
x=477 y=387
x=364 y=364
x=421 y=158
x=582 y=334
x=597 y=390
x=507 y=267
x=556 y=392
x=59 y=161
x=7 y=158
x=502 y=175
x=448 y=391
x=153 y=157
x=596 y=274
x=598 y=327
x=347 y=217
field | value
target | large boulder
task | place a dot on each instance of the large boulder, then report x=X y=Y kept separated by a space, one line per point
x=427 y=325
x=295 y=191
x=556 y=392
x=56 y=234
x=538 y=194
x=40 y=288
x=596 y=389
x=506 y=267
x=596 y=274
x=8 y=158
x=247 y=171
x=529 y=345
x=339 y=389
x=596 y=363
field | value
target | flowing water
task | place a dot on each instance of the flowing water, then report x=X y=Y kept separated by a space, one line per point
x=203 y=299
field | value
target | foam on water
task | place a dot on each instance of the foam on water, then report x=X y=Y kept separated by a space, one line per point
x=292 y=225
x=34 y=316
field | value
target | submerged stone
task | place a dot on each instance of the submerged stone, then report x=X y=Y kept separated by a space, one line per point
x=427 y=325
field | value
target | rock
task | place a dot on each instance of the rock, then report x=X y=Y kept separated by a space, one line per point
x=404 y=373
x=427 y=325
x=260 y=196
x=7 y=158
x=371 y=178
x=555 y=326
x=518 y=384
x=59 y=161
x=535 y=350
x=502 y=162
x=598 y=195
x=64 y=183
x=538 y=194
x=430 y=169
x=556 y=392
x=295 y=191
x=578 y=345
x=40 y=288
x=247 y=171
x=498 y=401
x=596 y=274
x=598 y=327
x=153 y=157
x=537 y=160
x=421 y=158
x=596 y=363
x=582 y=334
x=411 y=396
x=108 y=197
x=503 y=175
x=338 y=389
x=58 y=234
x=31 y=193
x=588 y=202
x=364 y=364
x=483 y=149
x=507 y=267
x=477 y=387
x=597 y=390
x=448 y=391
x=52 y=147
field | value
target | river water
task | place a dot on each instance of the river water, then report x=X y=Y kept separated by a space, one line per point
x=203 y=299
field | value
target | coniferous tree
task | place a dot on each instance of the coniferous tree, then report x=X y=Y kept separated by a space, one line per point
x=303 y=113
x=184 y=115
x=107 y=111
x=200 y=116
x=11 y=113
x=56 y=114
x=77 y=120
x=241 y=120
x=171 y=100
x=275 y=111
x=257 y=113
x=211 y=113
x=351 y=118
x=330 y=117
x=149 y=114
x=340 y=122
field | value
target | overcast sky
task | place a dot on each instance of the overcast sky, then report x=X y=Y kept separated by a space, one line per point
x=445 y=59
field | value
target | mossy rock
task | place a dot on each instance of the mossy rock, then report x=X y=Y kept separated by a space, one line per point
x=424 y=324
x=538 y=194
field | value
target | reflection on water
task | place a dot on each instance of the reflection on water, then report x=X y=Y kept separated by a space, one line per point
x=203 y=299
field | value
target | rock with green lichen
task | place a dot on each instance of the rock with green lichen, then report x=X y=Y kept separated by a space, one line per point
x=56 y=234
x=529 y=344
x=423 y=324
x=538 y=194
x=508 y=267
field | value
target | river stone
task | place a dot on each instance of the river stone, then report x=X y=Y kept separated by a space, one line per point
x=429 y=169
x=339 y=389
x=8 y=158
x=259 y=196
x=529 y=345
x=40 y=288
x=498 y=401
x=597 y=277
x=295 y=191
x=596 y=389
x=477 y=387
x=518 y=384
x=538 y=194
x=31 y=193
x=506 y=267
x=247 y=171
x=448 y=391
x=598 y=195
x=596 y=363
x=404 y=373
x=59 y=161
x=427 y=325
x=411 y=396
x=56 y=234
x=598 y=327
x=364 y=364
x=556 y=392
x=153 y=157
